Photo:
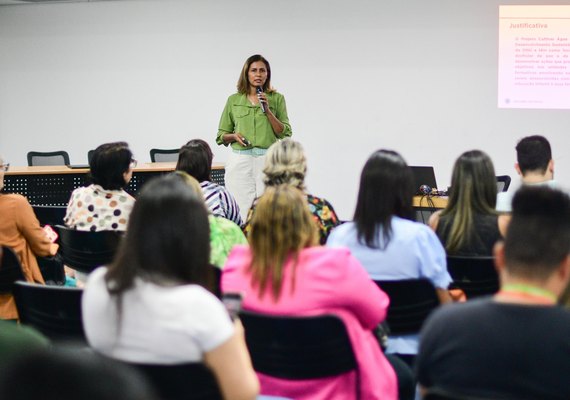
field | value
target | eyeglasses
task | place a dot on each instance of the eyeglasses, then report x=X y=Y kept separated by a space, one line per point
x=133 y=163
x=4 y=167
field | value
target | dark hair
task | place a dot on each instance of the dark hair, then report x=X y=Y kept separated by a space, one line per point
x=533 y=154
x=243 y=81
x=538 y=236
x=167 y=239
x=109 y=163
x=473 y=190
x=386 y=190
x=66 y=375
x=195 y=158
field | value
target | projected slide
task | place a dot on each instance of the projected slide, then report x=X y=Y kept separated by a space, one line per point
x=534 y=57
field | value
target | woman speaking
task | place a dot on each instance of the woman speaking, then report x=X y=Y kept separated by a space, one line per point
x=252 y=120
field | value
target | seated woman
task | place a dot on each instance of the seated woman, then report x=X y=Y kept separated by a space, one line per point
x=285 y=272
x=195 y=158
x=21 y=231
x=104 y=205
x=151 y=305
x=285 y=163
x=470 y=225
x=224 y=234
x=386 y=240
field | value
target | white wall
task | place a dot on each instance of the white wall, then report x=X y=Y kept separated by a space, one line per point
x=416 y=76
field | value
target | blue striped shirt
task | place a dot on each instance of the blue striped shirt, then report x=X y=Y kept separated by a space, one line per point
x=220 y=202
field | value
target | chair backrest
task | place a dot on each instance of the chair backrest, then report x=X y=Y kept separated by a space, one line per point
x=10 y=269
x=476 y=276
x=503 y=183
x=411 y=301
x=85 y=251
x=36 y=158
x=442 y=394
x=50 y=215
x=55 y=311
x=191 y=381
x=164 y=155
x=298 y=347
x=90 y=156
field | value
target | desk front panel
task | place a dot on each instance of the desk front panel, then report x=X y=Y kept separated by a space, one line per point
x=52 y=186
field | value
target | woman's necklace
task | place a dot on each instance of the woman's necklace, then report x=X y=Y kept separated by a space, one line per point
x=528 y=293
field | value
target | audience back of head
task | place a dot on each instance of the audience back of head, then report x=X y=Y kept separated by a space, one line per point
x=51 y=375
x=195 y=158
x=109 y=163
x=285 y=163
x=533 y=154
x=167 y=237
x=386 y=190
x=538 y=237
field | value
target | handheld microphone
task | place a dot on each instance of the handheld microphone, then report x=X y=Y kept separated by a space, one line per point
x=263 y=106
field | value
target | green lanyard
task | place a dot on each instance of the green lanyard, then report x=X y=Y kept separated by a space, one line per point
x=529 y=292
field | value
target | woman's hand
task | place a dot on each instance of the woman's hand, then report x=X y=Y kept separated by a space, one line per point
x=236 y=137
x=263 y=102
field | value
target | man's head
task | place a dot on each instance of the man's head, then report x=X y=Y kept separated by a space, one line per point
x=537 y=244
x=534 y=157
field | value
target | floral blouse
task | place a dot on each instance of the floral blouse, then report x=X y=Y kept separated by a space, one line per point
x=323 y=213
x=92 y=208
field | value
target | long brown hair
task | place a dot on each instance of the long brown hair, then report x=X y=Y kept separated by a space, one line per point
x=243 y=81
x=281 y=227
x=473 y=191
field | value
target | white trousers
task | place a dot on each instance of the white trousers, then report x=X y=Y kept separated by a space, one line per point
x=244 y=179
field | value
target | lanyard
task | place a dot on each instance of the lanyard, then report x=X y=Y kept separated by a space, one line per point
x=528 y=292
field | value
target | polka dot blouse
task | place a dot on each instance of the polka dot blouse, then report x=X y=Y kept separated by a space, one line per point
x=93 y=208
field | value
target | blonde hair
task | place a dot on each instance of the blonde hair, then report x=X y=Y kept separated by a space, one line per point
x=281 y=227
x=192 y=183
x=285 y=163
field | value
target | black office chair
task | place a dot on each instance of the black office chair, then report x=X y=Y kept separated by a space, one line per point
x=90 y=156
x=411 y=301
x=85 y=251
x=55 y=311
x=503 y=183
x=190 y=381
x=50 y=215
x=476 y=276
x=298 y=348
x=164 y=155
x=36 y=158
x=10 y=269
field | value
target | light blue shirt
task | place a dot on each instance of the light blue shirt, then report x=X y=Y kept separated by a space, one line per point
x=414 y=252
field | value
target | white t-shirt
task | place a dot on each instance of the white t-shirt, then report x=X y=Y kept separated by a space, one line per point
x=159 y=324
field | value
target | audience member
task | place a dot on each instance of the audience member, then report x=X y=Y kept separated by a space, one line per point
x=150 y=305
x=195 y=158
x=224 y=234
x=16 y=340
x=534 y=165
x=514 y=345
x=285 y=163
x=21 y=231
x=284 y=272
x=470 y=225
x=104 y=205
x=385 y=239
x=51 y=375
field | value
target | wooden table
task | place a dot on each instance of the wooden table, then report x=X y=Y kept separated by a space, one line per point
x=52 y=185
x=425 y=206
